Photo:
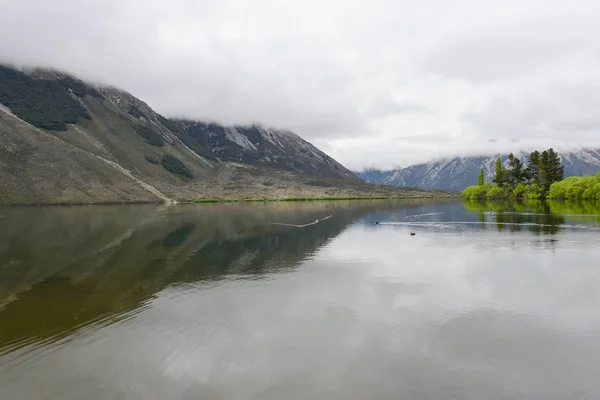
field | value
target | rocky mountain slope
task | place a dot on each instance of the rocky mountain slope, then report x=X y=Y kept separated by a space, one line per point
x=65 y=141
x=258 y=146
x=459 y=172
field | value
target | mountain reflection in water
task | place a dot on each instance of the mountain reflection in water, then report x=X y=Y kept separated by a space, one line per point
x=300 y=300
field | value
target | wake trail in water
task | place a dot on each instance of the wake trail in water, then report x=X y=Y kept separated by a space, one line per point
x=409 y=217
x=301 y=226
x=443 y=224
x=513 y=213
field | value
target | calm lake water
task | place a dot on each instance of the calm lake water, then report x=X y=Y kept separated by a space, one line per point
x=301 y=301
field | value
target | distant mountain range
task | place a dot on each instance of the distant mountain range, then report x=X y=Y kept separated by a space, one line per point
x=459 y=172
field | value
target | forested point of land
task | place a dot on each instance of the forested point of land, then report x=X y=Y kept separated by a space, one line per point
x=542 y=176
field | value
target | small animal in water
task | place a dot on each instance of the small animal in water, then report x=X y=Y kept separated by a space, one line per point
x=412 y=234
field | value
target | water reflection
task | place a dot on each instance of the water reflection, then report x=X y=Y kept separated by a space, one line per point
x=63 y=268
x=540 y=217
x=244 y=301
x=534 y=216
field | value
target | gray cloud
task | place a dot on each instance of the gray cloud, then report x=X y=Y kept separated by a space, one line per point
x=518 y=50
x=386 y=106
x=375 y=82
x=561 y=114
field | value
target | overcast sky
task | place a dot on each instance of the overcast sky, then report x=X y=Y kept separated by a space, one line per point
x=373 y=83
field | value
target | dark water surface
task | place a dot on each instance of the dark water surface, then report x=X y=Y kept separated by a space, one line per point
x=301 y=301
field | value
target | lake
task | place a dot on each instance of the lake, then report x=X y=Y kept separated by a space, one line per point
x=301 y=300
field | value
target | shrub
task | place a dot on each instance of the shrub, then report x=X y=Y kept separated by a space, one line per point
x=175 y=166
x=43 y=103
x=150 y=136
x=497 y=192
x=474 y=192
x=533 y=192
x=152 y=159
x=592 y=193
x=575 y=187
x=519 y=191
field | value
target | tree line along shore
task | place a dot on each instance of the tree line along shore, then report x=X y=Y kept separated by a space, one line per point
x=539 y=176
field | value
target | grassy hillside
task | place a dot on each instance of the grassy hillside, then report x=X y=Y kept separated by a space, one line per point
x=36 y=167
x=62 y=141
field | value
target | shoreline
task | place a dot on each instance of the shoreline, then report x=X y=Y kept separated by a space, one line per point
x=225 y=201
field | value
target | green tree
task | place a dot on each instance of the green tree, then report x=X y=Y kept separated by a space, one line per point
x=514 y=174
x=556 y=172
x=499 y=179
x=532 y=170
x=543 y=171
x=542 y=178
x=550 y=169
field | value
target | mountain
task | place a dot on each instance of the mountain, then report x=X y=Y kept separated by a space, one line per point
x=66 y=141
x=372 y=175
x=459 y=172
x=257 y=145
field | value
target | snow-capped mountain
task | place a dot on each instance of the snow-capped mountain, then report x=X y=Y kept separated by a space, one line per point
x=261 y=146
x=459 y=172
